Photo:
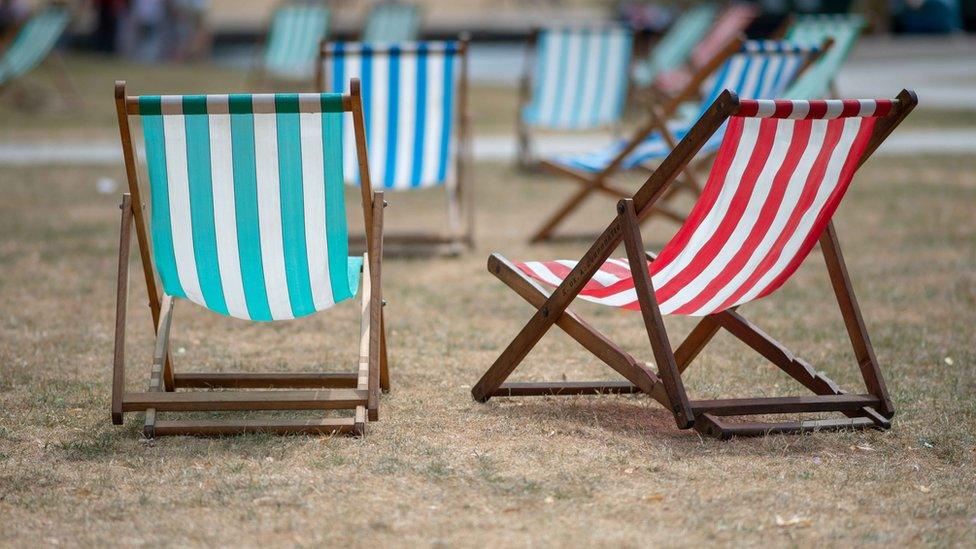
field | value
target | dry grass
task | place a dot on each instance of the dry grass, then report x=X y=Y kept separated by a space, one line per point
x=441 y=469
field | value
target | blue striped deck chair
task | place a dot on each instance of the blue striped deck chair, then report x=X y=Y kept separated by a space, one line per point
x=575 y=79
x=247 y=220
x=820 y=80
x=415 y=105
x=33 y=43
x=392 y=22
x=674 y=48
x=755 y=69
x=294 y=34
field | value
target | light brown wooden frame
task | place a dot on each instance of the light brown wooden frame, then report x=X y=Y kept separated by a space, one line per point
x=873 y=409
x=459 y=236
x=358 y=391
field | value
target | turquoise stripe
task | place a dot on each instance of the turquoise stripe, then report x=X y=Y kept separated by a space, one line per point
x=337 y=234
x=293 y=205
x=447 y=122
x=200 y=182
x=162 y=228
x=246 y=207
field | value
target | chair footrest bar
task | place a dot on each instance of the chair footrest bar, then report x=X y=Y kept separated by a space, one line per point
x=710 y=425
x=237 y=427
x=322 y=399
x=783 y=405
x=265 y=381
x=544 y=388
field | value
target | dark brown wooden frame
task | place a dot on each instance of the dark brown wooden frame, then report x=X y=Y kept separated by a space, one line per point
x=459 y=236
x=873 y=409
x=358 y=391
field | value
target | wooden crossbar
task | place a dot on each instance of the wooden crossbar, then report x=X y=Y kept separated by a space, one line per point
x=322 y=399
x=265 y=381
x=783 y=405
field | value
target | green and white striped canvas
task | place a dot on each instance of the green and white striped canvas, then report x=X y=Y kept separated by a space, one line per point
x=392 y=22
x=34 y=42
x=248 y=215
x=814 y=30
x=293 y=40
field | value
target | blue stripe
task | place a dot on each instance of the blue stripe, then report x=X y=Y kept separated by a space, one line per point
x=366 y=70
x=623 y=75
x=392 y=118
x=421 y=117
x=448 y=116
x=601 y=78
x=581 y=79
x=560 y=79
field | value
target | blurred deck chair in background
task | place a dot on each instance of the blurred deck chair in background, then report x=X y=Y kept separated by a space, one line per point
x=291 y=46
x=416 y=109
x=780 y=174
x=756 y=69
x=392 y=22
x=33 y=44
x=248 y=220
x=674 y=48
x=820 y=80
x=575 y=79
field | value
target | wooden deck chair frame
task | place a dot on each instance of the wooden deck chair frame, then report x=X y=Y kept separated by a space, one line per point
x=259 y=78
x=871 y=410
x=54 y=63
x=459 y=236
x=358 y=391
x=599 y=182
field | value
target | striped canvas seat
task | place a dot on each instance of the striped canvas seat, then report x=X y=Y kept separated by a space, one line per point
x=293 y=40
x=674 y=48
x=248 y=215
x=33 y=42
x=781 y=171
x=814 y=30
x=580 y=77
x=409 y=103
x=761 y=70
x=392 y=22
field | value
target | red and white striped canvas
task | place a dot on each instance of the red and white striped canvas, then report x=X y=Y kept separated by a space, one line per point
x=780 y=173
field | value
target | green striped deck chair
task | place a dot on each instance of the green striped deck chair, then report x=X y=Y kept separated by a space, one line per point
x=33 y=43
x=247 y=220
x=293 y=39
x=675 y=47
x=392 y=22
x=813 y=30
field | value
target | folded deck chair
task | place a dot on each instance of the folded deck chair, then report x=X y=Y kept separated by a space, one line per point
x=291 y=46
x=756 y=69
x=730 y=25
x=820 y=80
x=392 y=22
x=674 y=48
x=33 y=44
x=574 y=79
x=416 y=110
x=781 y=171
x=248 y=220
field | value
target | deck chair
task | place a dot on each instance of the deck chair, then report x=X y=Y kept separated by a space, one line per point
x=290 y=48
x=675 y=47
x=756 y=69
x=781 y=171
x=574 y=79
x=730 y=25
x=33 y=44
x=416 y=110
x=821 y=79
x=392 y=22
x=248 y=221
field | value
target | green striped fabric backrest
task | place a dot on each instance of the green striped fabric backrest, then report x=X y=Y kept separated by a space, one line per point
x=293 y=40
x=392 y=22
x=34 y=42
x=813 y=30
x=677 y=43
x=248 y=215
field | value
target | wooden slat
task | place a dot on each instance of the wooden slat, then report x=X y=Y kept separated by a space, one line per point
x=242 y=426
x=266 y=381
x=121 y=307
x=783 y=405
x=322 y=399
x=565 y=388
x=710 y=425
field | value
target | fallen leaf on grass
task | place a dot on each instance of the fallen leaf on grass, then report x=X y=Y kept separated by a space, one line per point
x=924 y=489
x=652 y=498
x=863 y=447
x=795 y=521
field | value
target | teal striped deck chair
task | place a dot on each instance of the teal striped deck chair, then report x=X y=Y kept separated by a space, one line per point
x=247 y=219
x=820 y=80
x=674 y=48
x=34 y=43
x=575 y=79
x=392 y=22
x=415 y=106
x=294 y=34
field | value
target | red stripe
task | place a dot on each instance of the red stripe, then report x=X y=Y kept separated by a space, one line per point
x=784 y=107
x=883 y=107
x=852 y=107
x=817 y=109
x=748 y=108
x=616 y=270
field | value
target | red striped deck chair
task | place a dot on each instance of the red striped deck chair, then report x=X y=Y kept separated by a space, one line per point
x=780 y=174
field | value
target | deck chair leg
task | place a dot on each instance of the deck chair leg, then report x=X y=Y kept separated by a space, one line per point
x=545 y=231
x=159 y=359
x=121 y=307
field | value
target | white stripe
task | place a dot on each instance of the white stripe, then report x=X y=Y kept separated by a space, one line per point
x=766 y=109
x=378 y=119
x=550 y=76
x=313 y=189
x=800 y=110
x=615 y=77
x=434 y=117
x=406 y=118
x=350 y=160
x=590 y=82
x=269 y=215
x=543 y=272
x=574 y=56
x=225 y=210
x=867 y=107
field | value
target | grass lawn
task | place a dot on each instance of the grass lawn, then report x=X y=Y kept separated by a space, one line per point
x=441 y=469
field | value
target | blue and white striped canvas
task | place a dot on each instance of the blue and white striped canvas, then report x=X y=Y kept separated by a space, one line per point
x=409 y=95
x=34 y=42
x=248 y=215
x=763 y=69
x=293 y=41
x=580 y=77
